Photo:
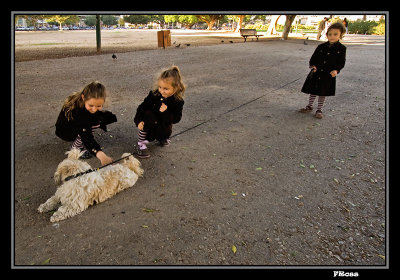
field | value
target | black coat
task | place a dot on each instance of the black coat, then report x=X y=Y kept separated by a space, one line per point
x=326 y=57
x=158 y=125
x=173 y=113
x=81 y=123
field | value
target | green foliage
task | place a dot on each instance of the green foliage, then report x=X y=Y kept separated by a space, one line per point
x=137 y=19
x=109 y=20
x=336 y=19
x=264 y=27
x=171 y=18
x=106 y=19
x=186 y=20
x=367 y=27
x=62 y=19
x=258 y=26
x=380 y=28
x=90 y=20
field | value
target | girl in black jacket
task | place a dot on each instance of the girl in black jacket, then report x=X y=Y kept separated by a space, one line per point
x=159 y=110
x=81 y=114
x=326 y=62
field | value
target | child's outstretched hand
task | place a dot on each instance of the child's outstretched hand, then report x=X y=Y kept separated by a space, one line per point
x=163 y=107
x=104 y=159
x=333 y=73
x=314 y=68
x=140 y=126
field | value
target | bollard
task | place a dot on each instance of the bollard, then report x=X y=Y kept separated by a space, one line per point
x=164 y=38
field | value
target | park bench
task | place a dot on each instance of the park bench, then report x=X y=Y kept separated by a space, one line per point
x=249 y=32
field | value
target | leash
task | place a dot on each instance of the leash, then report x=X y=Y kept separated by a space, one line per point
x=92 y=170
x=233 y=109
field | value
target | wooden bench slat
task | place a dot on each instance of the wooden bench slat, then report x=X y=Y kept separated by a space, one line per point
x=249 y=32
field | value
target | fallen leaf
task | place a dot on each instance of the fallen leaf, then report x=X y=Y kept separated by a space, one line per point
x=336 y=180
x=259 y=168
x=302 y=165
x=46 y=261
x=234 y=193
x=234 y=249
x=312 y=166
x=351 y=203
x=148 y=210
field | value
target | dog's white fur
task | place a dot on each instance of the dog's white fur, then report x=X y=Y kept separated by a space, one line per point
x=77 y=194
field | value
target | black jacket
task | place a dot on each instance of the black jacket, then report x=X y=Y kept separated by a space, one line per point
x=81 y=123
x=172 y=115
x=326 y=57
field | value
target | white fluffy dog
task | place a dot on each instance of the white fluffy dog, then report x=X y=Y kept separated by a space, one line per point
x=77 y=194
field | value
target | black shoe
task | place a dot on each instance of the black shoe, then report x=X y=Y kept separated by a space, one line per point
x=165 y=142
x=143 y=153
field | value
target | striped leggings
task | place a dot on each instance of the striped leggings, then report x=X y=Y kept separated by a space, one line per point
x=78 y=144
x=142 y=142
x=321 y=100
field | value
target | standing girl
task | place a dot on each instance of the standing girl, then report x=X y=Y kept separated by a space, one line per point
x=159 y=110
x=80 y=114
x=326 y=62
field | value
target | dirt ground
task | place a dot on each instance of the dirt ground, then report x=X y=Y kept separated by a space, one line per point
x=282 y=187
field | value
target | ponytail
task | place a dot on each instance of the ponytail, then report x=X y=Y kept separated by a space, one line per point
x=174 y=75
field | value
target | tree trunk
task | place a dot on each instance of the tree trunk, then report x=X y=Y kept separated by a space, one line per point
x=210 y=24
x=272 y=25
x=288 y=25
x=240 y=22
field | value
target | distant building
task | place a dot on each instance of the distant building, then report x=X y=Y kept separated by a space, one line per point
x=21 y=22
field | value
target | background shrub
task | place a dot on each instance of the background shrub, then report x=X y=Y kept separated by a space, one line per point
x=362 y=27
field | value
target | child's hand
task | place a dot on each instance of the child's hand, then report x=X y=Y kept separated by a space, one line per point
x=104 y=159
x=163 y=107
x=140 y=126
x=333 y=73
x=314 y=68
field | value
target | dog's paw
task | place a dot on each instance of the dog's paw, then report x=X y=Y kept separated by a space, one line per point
x=55 y=218
x=41 y=208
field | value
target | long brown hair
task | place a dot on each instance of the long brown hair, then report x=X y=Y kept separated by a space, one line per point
x=93 y=90
x=173 y=74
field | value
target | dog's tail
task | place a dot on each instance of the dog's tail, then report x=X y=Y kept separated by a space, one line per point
x=74 y=153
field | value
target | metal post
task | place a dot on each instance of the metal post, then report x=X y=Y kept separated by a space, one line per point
x=98 y=35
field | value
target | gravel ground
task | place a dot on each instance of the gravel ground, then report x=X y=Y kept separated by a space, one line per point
x=278 y=187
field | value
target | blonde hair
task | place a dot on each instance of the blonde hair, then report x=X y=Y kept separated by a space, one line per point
x=93 y=90
x=173 y=74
